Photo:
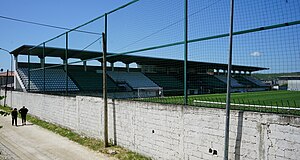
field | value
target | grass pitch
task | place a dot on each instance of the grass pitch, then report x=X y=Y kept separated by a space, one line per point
x=267 y=98
x=286 y=102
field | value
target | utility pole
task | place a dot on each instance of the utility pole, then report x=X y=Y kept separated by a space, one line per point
x=11 y=71
x=6 y=88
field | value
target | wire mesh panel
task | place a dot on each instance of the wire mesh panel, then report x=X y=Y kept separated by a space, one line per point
x=265 y=57
x=176 y=52
x=146 y=55
x=85 y=63
x=273 y=47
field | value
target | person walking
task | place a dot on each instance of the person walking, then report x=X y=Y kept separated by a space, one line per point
x=14 y=116
x=23 y=111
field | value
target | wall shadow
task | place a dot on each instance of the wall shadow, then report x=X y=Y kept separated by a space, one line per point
x=114 y=121
x=238 y=140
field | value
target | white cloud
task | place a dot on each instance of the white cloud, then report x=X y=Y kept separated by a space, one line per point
x=256 y=54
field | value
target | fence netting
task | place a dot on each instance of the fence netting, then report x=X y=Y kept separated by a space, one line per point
x=145 y=55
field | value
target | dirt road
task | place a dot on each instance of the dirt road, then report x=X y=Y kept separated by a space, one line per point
x=31 y=142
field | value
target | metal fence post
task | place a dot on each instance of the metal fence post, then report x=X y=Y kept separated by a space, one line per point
x=104 y=39
x=44 y=72
x=66 y=61
x=28 y=71
x=228 y=83
x=185 y=50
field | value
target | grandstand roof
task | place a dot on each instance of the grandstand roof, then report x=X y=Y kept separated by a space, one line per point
x=83 y=55
x=54 y=52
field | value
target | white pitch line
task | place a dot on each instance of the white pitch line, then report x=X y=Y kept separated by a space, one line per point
x=247 y=105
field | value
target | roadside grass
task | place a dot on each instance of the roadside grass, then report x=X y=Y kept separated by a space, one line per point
x=92 y=143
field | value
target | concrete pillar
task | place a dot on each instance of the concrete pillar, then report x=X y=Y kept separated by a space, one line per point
x=141 y=67
x=15 y=72
x=65 y=61
x=127 y=67
x=112 y=65
x=42 y=61
x=16 y=62
x=84 y=66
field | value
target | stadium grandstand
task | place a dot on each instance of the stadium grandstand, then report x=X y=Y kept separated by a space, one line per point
x=151 y=77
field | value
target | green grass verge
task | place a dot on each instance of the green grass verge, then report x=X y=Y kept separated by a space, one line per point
x=92 y=143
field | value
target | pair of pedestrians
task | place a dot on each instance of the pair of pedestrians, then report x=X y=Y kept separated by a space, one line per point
x=14 y=115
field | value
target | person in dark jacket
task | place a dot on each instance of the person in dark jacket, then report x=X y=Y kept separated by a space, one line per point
x=23 y=111
x=14 y=116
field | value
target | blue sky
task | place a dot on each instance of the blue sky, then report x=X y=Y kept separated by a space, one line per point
x=150 y=23
x=66 y=13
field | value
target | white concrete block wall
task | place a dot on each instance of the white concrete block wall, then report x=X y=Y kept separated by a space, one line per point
x=191 y=132
x=90 y=116
x=171 y=131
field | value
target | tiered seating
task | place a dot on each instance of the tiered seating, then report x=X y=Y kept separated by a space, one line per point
x=244 y=81
x=205 y=80
x=135 y=80
x=90 y=80
x=256 y=81
x=167 y=82
x=234 y=83
x=55 y=80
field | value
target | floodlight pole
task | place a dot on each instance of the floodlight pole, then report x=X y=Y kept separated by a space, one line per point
x=228 y=83
x=104 y=45
x=185 y=51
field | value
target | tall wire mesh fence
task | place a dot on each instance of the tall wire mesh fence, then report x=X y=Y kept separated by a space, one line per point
x=145 y=55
